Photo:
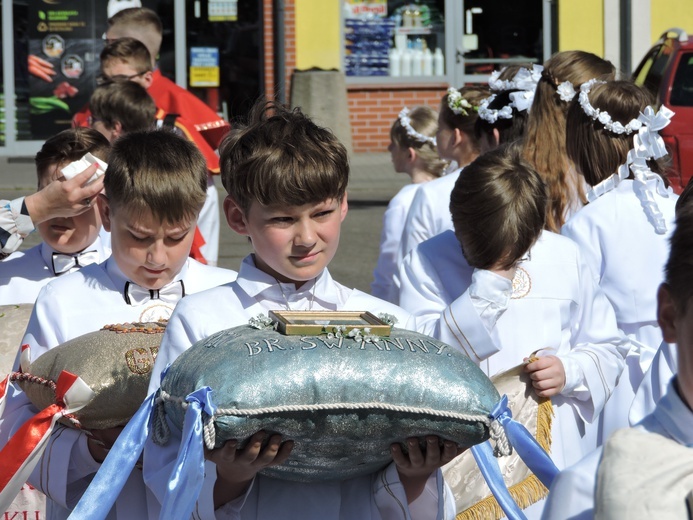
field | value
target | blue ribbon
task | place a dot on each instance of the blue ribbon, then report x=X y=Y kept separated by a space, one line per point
x=488 y=465
x=529 y=450
x=187 y=477
x=98 y=499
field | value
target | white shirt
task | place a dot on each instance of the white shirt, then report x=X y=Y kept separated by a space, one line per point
x=68 y=307
x=429 y=213
x=627 y=257
x=374 y=497
x=390 y=237
x=553 y=304
x=572 y=494
x=23 y=274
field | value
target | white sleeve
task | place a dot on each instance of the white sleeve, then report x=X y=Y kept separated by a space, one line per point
x=417 y=227
x=598 y=347
x=181 y=333
x=44 y=330
x=571 y=496
x=391 y=499
x=463 y=323
x=655 y=383
x=158 y=464
x=385 y=269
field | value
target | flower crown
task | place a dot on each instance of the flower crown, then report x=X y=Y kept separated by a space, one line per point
x=602 y=115
x=458 y=104
x=525 y=82
x=647 y=144
x=405 y=121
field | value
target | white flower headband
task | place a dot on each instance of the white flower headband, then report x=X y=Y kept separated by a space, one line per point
x=602 y=115
x=647 y=144
x=458 y=104
x=525 y=81
x=405 y=121
x=565 y=89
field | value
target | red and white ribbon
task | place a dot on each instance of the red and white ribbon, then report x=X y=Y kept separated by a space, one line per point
x=24 y=450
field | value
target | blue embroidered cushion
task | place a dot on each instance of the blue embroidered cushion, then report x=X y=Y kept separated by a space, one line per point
x=342 y=400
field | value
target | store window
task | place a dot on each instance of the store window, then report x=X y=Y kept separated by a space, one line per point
x=458 y=41
x=391 y=38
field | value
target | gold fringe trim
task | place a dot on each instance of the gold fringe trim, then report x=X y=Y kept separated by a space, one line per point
x=527 y=492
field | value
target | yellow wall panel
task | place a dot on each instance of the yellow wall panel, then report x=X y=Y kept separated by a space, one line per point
x=581 y=25
x=317 y=34
x=666 y=14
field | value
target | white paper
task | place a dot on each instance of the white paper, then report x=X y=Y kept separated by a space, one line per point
x=79 y=166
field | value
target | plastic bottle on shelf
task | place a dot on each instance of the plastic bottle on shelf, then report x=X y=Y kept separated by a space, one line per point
x=405 y=63
x=416 y=63
x=407 y=18
x=427 y=62
x=395 y=62
x=438 y=62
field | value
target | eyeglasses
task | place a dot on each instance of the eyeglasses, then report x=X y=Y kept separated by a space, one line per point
x=102 y=79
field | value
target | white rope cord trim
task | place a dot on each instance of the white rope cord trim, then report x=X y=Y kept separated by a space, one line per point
x=161 y=431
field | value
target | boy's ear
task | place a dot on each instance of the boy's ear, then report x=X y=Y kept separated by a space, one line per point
x=234 y=216
x=104 y=211
x=117 y=130
x=666 y=313
x=343 y=207
x=147 y=79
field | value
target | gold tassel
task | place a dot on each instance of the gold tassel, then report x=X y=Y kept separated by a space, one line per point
x=527 y=492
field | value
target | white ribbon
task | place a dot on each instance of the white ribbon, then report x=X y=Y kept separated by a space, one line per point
x=522 y=100
x=647 y=144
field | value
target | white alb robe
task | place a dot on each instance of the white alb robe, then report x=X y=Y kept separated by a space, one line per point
x=390 y=238
x=627 y=257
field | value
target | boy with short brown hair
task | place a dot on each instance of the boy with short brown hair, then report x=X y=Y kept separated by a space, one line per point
x=69 y=243
x=287 y=178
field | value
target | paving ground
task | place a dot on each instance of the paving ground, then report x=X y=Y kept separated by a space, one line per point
x=373 y=183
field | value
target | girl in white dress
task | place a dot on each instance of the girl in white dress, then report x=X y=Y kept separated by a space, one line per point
x=544 y=142
x=413 y=150
x=623 y=232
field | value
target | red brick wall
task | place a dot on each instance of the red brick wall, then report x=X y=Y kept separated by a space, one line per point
x=373 y=110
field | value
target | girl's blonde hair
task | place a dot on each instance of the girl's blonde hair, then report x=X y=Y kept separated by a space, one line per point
x=544 y=141
x=424 y=120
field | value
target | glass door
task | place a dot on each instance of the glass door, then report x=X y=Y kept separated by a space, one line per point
x=491 y=35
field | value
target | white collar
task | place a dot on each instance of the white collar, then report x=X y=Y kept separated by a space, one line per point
x=47 y=252
x=674 y=416
x=323 y=291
